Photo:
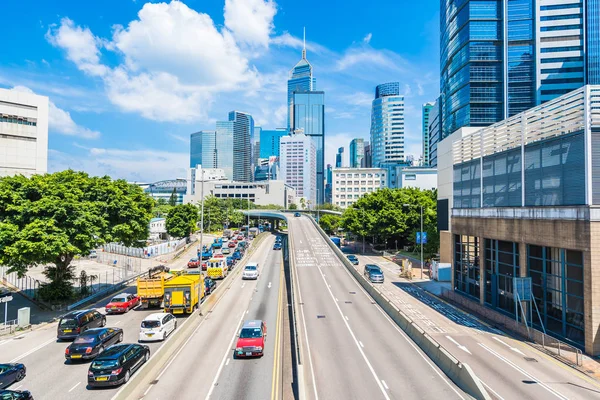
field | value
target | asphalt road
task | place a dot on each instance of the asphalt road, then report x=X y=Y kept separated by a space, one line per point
x=48 y=375
x=352 y=350
x=204 y=367
x=508 y=368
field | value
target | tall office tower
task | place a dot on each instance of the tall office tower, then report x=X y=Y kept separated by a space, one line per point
x=243 y=139
x=203 y=149
x=339 y=158
x=301 y=80
x=499 y=58
x=387 y=125
x=368 y=158
x=328 y=184
x=24 y=133
x=357 y=152
x=298 y=161
x=195 y=149
x=222 y=148
x=308 y=117
x=434 y=130
x=427 y=107
x=256 y=146
x=269 y=141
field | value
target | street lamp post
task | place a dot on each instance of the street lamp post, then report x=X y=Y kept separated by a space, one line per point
x=318 y=212
x=201 y=223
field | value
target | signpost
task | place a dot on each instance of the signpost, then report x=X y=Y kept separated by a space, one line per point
x=5 y=299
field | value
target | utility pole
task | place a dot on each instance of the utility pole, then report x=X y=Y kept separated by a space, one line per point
x=201 y=225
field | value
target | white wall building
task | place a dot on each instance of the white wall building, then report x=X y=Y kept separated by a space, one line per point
x=260 y=193
x=298 y=160
x=158 y=228
x=349 y=184
x=210 y=174
x=416 y=177
x=23 y=133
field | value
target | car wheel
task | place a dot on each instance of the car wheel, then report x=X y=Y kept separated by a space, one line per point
x=103 y=322
x=120 y=337
x=146 y=357
x=175 y=325
x=20 y=375
x=127 y=376
x=101 y=350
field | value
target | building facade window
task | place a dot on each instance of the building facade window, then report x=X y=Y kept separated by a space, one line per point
x=466 y=264
x=501 y=266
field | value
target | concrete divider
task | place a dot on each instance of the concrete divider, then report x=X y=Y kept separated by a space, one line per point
x=461 y=374
x=158 y=360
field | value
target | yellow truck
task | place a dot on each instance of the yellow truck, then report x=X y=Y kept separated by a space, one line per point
x=183 y=293
x=151 y=288
x=217 y=268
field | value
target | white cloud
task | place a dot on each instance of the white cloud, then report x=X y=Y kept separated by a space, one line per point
x=294 y=42
x=367 y=39
x=60 y=121
x=367 y=56
x=140 y=165
x=250 y=21
x=358 y=99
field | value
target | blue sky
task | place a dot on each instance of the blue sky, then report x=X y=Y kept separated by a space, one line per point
x=128 y=81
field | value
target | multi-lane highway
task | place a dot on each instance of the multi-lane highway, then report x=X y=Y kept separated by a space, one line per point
x=351 y=349
x=508 y=368
x=204 y=367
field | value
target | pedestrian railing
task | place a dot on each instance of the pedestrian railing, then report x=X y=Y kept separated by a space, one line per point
x=563 y=350
x=26 y=284
x=8 y=327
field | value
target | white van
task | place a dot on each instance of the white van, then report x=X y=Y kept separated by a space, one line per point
x=157 y=326
x=250 y=271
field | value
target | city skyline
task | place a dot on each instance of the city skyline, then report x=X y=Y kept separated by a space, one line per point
x=103 y=111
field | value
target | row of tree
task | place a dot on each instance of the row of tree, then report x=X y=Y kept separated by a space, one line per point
x=390 y=218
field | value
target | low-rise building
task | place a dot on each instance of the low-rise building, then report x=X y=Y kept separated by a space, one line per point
x=349 y=184
x=157 y=228
x=524 y=196
x=164 y=190
x=260 y=193
x=423 y=178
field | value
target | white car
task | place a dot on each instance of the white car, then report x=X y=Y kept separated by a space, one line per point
x=250 y=271
x=225 y=239
x=157 y=327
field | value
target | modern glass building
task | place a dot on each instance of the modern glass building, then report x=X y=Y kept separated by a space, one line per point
x=308 y=116
x=500 y=58
x=387 y=125
x=339 y=158
x=223 y=148
x=243 y=141
x=269 y=141
x=300 y=80
x=196 y=149
x=434 y=130
x=357 y=152
x=427 y=107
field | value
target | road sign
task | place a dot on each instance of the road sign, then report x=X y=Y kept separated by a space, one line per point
x=422 y=235
x=5 y=299
x=522 y=287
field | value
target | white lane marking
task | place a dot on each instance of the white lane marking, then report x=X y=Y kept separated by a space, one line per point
x=491 y=390
x=225 y=356
x=509 y=346
x=384 y=385
x=18 y=387
x=336 y=299
x=521 y=370
x=402 y=333
x=300 y=241
x=5 y=341
x=227 y=362
x=243 y=284
x=355 y=340
x=247 y=311
x=361 y=344
x=118 y=322
x=32 y=350
x=269 y=286
x=73 y=388
x=463 y=348
x=347 y=319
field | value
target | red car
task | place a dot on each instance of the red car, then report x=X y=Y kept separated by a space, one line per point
x=231 y=245
x=122 y=303
x=204 y=266
x=240 y=237
x=193 y=263
x=251 y=342
x=219 y=255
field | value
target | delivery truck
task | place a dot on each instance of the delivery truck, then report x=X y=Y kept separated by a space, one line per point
x=217 y=268
x=183 y=293
x=151 y=288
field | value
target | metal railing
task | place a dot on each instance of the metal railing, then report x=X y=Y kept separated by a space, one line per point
x=26 y=284
x=563 y=350
x=9 y=327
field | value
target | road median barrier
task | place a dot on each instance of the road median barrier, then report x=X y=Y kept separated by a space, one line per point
x=461 y=374
x=147 y=374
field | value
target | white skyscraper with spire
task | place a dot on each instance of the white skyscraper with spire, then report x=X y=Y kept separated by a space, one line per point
x=301 y=80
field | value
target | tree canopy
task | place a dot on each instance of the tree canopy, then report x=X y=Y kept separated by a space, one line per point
x=181 y=220
x=51 y=218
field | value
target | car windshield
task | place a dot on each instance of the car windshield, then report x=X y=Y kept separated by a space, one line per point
x=118 y=299
x=104 y=364
x=250 y=333
x=85 y=339
x=250 y=268
x=150 y=324
x=375 y=270
x=68 y=323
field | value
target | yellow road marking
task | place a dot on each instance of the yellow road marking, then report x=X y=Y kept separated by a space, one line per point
x=276 y=355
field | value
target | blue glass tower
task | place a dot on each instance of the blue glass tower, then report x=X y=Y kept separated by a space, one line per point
x=593 y=41
x=301 y=80
x=269 y=142
x=195 y=149
x=243 y=141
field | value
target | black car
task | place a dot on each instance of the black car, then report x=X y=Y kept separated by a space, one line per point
x=116 y=364
x=353 y=259
x=209 y=285
x=15 y=395
x=76 y=322
x=92 y=343
x=373 y=273
x=277 y=246
x=11 y=373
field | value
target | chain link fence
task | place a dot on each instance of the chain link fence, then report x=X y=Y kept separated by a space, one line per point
x=144 y=252
x=26 y=284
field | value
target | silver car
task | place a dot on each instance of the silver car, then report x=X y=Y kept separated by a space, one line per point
x=373 y=273
x=250 y=271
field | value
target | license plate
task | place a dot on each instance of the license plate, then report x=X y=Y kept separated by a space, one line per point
x=76 y=356
x=149 y=334
x=114 y=308
x=248 y=353
x=102 y=378
x=67 y=330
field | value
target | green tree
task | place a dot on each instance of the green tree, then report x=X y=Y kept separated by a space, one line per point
x=50 y=219
x=181 y=221
x=293 y=206
x=173 y=198
x=330 y=223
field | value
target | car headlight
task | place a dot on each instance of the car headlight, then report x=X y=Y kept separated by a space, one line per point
x=238 y=349
x=259 y=348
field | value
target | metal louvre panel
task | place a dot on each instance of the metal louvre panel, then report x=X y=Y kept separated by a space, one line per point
x=595 y=148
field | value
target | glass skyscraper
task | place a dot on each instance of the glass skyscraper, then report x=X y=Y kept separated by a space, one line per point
x=223 y=148
x=427 y=107
x=243 y=142
x=195 y=149
x=308 y=116
x=387 y=125
x=301 y=80
x=269 y=142
x=339 y=158
x=357 y=152
x=499 y=58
